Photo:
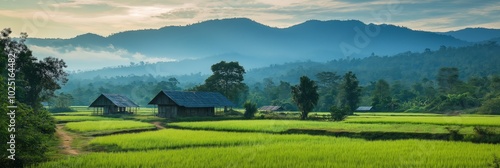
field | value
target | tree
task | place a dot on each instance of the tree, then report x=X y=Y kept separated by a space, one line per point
x=381 y=96
x=339 y=114
x=328 y=84
x=305 y=95
x=227 y=78
x=350 y=92
x=250 y=109
x=447 y=79
x=36 y=79
x=491 y=106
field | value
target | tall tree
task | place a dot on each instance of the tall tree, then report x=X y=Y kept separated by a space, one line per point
x=350 y=92
x=227 y=78
x=328 y=84
x=305 y=95
x=448 y=80
x=381 y=96
x=36 y=80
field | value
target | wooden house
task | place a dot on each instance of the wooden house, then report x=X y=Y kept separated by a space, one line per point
x=113 y=103
x=184 y=104
x=271 y=108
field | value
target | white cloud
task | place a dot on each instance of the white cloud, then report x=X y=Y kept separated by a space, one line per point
x=79 y=58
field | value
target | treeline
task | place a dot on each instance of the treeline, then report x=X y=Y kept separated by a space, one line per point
x=447 y=94
x=409 y=67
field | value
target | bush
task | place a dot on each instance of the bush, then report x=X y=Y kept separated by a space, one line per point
x=250 y=110
x=491 y=106
x=339 y=114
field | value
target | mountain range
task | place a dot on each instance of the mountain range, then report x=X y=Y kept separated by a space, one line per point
x=193 y=48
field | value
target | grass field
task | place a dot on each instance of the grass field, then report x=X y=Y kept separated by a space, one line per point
x=440 y=120
x=265 y=150
x=82 y=118
x=106 y=125
x=277 y=126
x=270 y=143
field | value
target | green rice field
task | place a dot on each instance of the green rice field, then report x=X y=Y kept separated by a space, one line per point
x=215 y=149
x=106 y=125
x=440 y=120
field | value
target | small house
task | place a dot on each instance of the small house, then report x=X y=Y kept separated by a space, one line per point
x=364 y=108
x=113 y=103
x=185 y=104
x=271 y=108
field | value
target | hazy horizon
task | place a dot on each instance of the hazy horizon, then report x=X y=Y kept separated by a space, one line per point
x=67 y=19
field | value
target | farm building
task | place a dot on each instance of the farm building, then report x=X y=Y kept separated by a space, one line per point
x=364 y=108
x=177 y=103
x=271 y=108
x=113 y=103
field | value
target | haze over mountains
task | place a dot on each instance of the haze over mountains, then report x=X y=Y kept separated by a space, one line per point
x=194 y=48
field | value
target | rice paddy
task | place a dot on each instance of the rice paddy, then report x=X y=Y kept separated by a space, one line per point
x=92 y=126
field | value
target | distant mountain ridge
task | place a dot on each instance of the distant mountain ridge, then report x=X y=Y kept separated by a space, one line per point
x=263 y=45
x=475 y=34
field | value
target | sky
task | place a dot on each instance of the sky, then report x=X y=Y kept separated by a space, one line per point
x=69 y=18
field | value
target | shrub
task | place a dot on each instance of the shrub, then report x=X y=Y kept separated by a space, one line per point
x=338 y=114
x=250 y=110
x=491 y=106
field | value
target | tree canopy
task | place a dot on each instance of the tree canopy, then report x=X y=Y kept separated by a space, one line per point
x=305 y=95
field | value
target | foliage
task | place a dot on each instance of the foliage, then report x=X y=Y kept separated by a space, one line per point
x=447 y=79
x=349 y=92
x=381 y=96
x=201 y=148
x=339 y=114
x=106 y=125
x=227 y=78
x=36 y=80
x=491 y=106
x=440 y=120
x=305 y=95
x=453 y=102
x=250 y=109
x=33 y=134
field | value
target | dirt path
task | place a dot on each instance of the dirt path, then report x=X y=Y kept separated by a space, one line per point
x=158 y=125
x=66 y=141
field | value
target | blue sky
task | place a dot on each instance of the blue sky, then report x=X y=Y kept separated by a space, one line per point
x=68 y=18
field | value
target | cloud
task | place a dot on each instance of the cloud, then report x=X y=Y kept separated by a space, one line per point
x=79 y=58
x=105 y=17
x=179 y=14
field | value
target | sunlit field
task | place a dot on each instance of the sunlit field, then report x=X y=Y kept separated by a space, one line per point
x=222 y=149
x=93 y=126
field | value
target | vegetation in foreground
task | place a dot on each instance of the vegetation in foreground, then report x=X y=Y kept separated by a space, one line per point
x=278 y=151
x=94 y=126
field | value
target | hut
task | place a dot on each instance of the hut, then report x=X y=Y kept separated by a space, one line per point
x=185 y=104
x=113 y=103
x=271 y=108
x=364 y=108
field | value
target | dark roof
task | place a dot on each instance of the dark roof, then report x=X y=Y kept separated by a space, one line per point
x=271 y=108
x=364 y=108
x=196 y=99
x=116 y=99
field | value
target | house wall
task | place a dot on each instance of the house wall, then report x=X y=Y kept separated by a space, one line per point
x=190 y=112
x=167 y=111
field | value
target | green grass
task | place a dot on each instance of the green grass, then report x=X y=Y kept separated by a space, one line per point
x=276 y=126
x=225 y=149
x=93 y=126
x=174 y=138
x=469 y=120
x=81 y=118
